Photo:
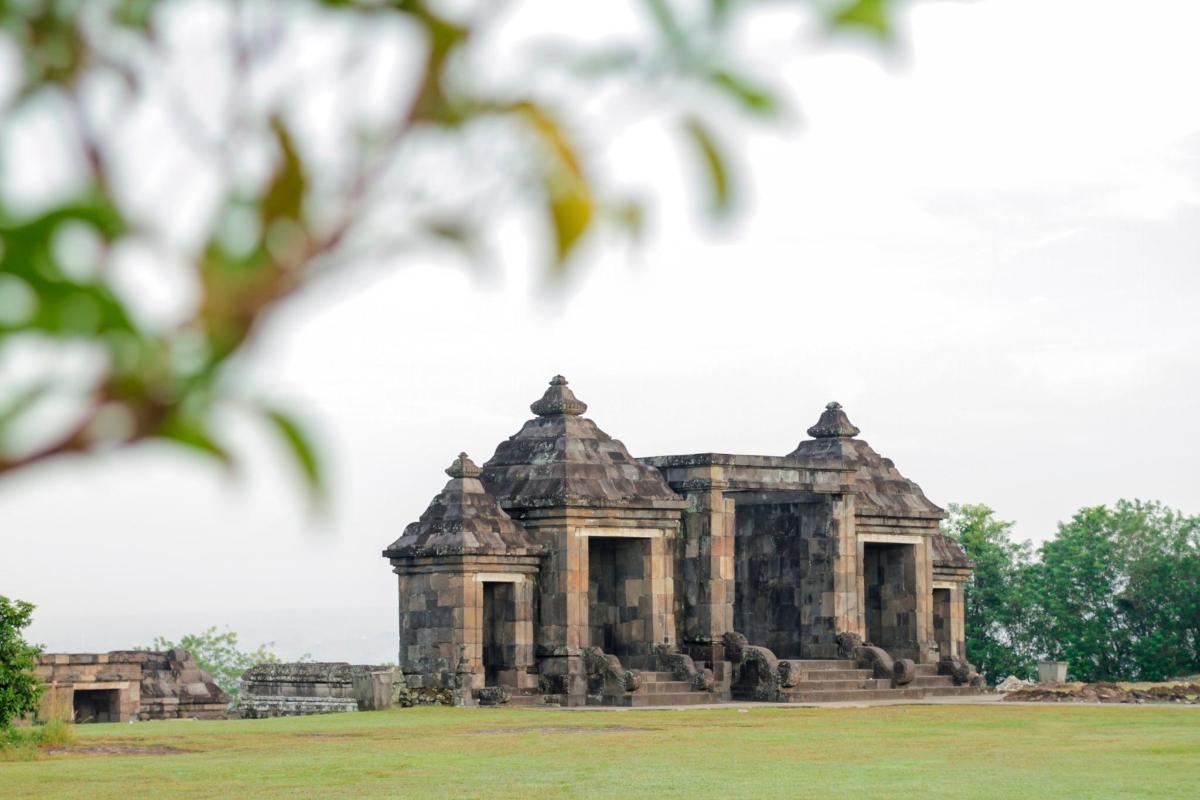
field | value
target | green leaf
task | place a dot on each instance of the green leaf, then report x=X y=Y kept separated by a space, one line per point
x=571 y=209
x=193 y=433
x=284 y=195
x=668 y=26
x=755 y=99
x=64 y=305
x=569 y=199
x=872 y=16
x=714 y=165
x=302 y=450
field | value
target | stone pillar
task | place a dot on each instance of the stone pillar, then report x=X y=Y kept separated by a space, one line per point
x=707 y=579
x=924 y=602
x=842 y=604
x=523 y=641
x=562 y=624
x=658 y=603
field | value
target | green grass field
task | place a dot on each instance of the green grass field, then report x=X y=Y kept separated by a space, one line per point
x=984 y=751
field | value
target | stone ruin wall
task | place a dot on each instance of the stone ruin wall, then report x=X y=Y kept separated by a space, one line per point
x=297 y=689
x=138 y=685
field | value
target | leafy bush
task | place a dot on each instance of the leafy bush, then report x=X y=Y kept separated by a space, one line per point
x=20 y=689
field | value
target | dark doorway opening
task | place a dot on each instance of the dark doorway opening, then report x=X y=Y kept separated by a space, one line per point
x=499 y=634
x=618 y=597
x=941 y=622
x=890 y=595
x=97 y=705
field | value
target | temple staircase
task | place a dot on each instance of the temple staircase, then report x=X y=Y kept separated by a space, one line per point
x=835 y=680
x=658 y=688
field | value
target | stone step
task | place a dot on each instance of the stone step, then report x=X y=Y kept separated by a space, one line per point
x=932 y=680
x=638 y=700
x=650 y=676
x=831 y=686
x=526 y=700
x=852 y=695
x=664 y=687
x=836 y=674
x=867 y=682
x=821 y=663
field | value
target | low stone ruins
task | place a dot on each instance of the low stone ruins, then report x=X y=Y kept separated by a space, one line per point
x=294 y=689
x=128 y=685
x=566 y=571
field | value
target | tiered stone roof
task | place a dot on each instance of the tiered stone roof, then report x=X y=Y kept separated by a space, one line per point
x=881 y=489
x=463 y=519
x=561 y=458
x=949 y=554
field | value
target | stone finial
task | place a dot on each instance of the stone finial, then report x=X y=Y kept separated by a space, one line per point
x=558 y=400
x=833 y=424
x=463 y=467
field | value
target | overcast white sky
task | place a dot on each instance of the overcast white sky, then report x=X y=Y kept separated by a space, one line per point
x=985 y=246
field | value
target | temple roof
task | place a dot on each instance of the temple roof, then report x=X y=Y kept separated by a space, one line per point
x=949 y=553
x=463 y=519
x=561 y=458
x=881 y=489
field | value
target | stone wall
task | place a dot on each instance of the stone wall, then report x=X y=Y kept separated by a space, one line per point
x=127 y=685
x=785 y=563
x=296 y=689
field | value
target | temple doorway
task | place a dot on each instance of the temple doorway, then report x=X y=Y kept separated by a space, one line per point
x=499 y=634
x=96 y=705
x=941 y=622
x=617 y=591
x=890 y=595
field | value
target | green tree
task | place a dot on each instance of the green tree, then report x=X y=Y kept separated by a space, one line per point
x=1161 y=598
x=998 y=601
x=294 y=193
x=20 y=688
x=1117 y=593
x=218 y=653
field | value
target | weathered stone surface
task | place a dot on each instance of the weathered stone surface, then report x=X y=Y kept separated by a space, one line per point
x=903 y=671
x=568 y=569
x=562 y=459
x=880 y=489
x=755 y=669
x=957 y=667
x=463 y=519
x=876 y=659
x=126 y=685
x=296 y=689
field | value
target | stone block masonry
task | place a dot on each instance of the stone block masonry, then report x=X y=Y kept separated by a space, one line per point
x=564 y=551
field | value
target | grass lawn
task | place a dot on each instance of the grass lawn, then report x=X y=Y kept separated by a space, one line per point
x=985 y=751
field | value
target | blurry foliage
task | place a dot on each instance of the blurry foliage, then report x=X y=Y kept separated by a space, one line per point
x=169 y=383
x=20 y=688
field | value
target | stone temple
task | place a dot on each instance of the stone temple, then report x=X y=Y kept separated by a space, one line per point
x=566 y=571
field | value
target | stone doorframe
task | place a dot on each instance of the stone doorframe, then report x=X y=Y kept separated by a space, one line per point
x=656 y=606
x=923 y=592
x=955 y=618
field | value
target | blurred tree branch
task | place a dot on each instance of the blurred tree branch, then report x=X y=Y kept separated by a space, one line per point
x=302 y=214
